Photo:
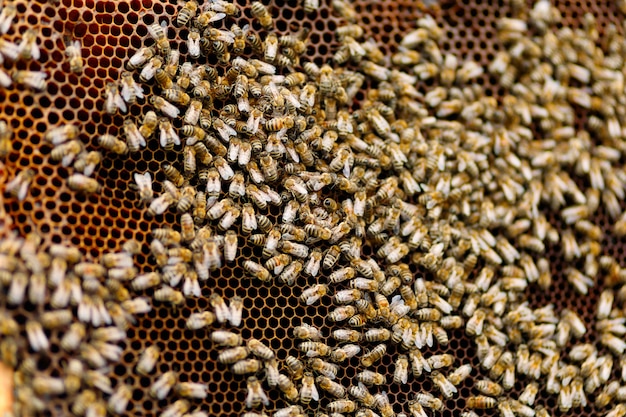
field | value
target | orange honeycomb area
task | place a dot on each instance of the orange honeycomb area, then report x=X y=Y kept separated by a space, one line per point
x=110 y=32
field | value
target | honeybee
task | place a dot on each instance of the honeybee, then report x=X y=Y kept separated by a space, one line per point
x=313 y=349
x=113 y=144
x=306 y=331
x=158 y=32
x=481 y=402
x=119 y=400
x=28 y=48
x=139 y=58
x=257 y=270
x=87 y=162
x=199 y=320
x=341 y=406
x=164 y=106
x=36 y=336
x=47 y=385
x=56 y=319
x=6 y=17
x=148 y=360
x=287 y=386
x=371 y=378
x=73 y=337
x=225 y=338
x=169 y=295
x=374 y=355
x=82 y=183
x=401 y=372
x=362 y=395
x=346 y=335
x=312 y=294
x=130 y=89
x=186 y=13
x=134 y=139
x=256 y=395
x=18 y=186
x=428 y=400
x=247 y=366
x=260 y=12
x=32 y=79
x=259 y=349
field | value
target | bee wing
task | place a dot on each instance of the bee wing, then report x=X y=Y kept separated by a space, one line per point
x=170 y=110
x=34 y=50
x=5 y=22
x=119 y=102
x=5 y=79
x=173 y=136
x=126 y=92
x=250 y=398
x=263 y=396
x=315 y=396
x=163 y=137
x=191 y=287
x=217 y=17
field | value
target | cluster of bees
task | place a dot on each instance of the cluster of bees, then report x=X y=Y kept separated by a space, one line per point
x=453 y=184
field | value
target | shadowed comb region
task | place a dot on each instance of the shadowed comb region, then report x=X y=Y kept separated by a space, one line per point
x=322 y=208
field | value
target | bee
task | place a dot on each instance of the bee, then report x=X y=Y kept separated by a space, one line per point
x=341 y=406
x=306 y=331
x=291 y=273
x=295 y=367
x=111 y=143
x=225 y=338
x=342 y=313
x=193 y=390
x=118 y=402
x=73 y=337
x=28 y=48
x=18 y=186
x=139 y=58
x=287 y=386
x=87 y=162
x=362 y=395
x=401 y=372
x=313 y=349
x=428 y=400
x=187 y=13
x=346 y=335
x=256 y=395
x=247 y=366
x=528 y=395
x=32 y=79
x=56 y=319
x=46 y=385
x=481 y=402
x=260 y=12
x=82 y=183
x=165 y=106
x=199 y=320
x=374 y=355
x=150 y=70
x=36 y=337
x=260 y=350
x=257 y=270
x=158 y=32
x=370 y=378
x=225 y=7
x=169 y=295
x=130 y=89
x=230 y=356
x=178 y=408
x=148 y=360
x=134 y=139
x=6 y=17
x=295 y=249
x=312 y=294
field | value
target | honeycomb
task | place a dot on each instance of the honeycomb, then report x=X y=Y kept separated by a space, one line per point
x=99 y=223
